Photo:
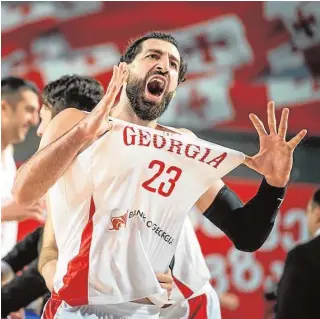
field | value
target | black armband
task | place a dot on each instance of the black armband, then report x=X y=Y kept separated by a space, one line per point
x=249 y=225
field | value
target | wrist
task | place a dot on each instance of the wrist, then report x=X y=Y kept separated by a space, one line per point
x=79 y=133
x=271 y=191
x=279 y=183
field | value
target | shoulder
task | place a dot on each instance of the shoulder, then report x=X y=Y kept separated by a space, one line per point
x=185 y=131
x=308 y=252
x=297 y=255
x=61 y=124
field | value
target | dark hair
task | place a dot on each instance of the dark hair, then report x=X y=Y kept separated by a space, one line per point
x=316 y=198
x=81 y=92
x=12 y=84
x=135 y=47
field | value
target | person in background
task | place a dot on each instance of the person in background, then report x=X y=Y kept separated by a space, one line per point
x=298 y=292
x=19 y=112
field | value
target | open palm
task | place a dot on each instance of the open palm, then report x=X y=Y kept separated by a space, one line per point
x=275 y=157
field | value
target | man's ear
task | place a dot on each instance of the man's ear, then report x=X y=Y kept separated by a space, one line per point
x=317 y=211
x=5 y=108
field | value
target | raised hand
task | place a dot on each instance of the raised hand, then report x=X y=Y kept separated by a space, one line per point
x=275 y=157
x=96 y=123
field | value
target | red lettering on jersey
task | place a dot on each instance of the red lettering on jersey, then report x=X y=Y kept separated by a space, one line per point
x=194 y=153
x=145 y=138
x=126 y=135
x=205 y=155
x=177 y=145
x=218 y=160
x=155 y=141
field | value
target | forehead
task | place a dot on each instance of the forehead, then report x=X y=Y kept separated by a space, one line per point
x=29 y=97
x=165 y=46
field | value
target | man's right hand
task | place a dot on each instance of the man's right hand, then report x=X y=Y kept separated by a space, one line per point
x=13 y=211
x=96 y=123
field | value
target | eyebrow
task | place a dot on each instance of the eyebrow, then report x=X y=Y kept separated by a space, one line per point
x=171 y=56
x=32 y=108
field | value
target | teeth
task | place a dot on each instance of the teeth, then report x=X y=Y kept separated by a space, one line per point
x=160 y=81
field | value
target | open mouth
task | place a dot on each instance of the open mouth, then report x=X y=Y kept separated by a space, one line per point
x=156 y=86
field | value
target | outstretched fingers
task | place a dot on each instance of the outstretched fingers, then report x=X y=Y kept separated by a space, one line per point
x=283 y=126
x=294 y=142
x=257 y=123
x=272 y=122
x=118 y=77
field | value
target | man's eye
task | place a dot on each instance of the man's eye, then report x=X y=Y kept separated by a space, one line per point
x=153 y=56
x=174 y=64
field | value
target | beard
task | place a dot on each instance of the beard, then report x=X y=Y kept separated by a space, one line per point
x=144 y=109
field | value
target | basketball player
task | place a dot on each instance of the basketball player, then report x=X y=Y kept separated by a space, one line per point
x=19 y=112
x=120 y=188
x=82 y=93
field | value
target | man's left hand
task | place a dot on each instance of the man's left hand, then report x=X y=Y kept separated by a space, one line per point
x=275 y=157
x=166 y=281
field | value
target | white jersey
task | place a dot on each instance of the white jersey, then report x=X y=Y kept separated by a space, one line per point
x=9 y=230
x=191 y=280
x=191 y=272
x=118 y=211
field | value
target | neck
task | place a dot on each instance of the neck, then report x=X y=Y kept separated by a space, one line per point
x=317 y=231
x=124 y=111
x=4 y=141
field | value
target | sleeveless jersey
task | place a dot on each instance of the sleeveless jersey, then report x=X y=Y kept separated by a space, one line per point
x=119 y=208
x=190 y=270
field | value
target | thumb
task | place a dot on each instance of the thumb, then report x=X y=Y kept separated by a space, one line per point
x=249 y=162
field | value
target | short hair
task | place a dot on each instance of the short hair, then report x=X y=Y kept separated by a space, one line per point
x=316 y=198
x=81 y=92
x=11 y=85
x=134 y=48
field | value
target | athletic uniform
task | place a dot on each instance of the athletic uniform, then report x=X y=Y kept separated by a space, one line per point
x=9 y=230
x=192 y=292
x=117 y=213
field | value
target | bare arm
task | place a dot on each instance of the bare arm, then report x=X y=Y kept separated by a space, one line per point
x=49 y=252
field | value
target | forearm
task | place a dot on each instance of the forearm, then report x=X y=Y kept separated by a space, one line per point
x=43 y=169
x=6 y=213
x=8 y=206
x=249 y=225
x=47 y=255
x=48 y=271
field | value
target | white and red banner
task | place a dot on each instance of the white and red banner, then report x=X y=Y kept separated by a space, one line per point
x=240 y=54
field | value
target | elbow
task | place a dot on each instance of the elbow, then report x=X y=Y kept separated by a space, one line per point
x=249 y=245
x=248 y=248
